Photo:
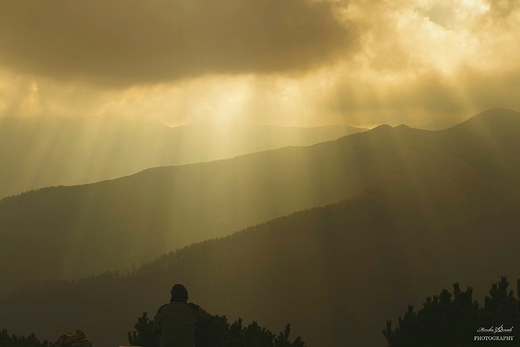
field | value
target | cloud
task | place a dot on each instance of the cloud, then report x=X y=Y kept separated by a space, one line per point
x=124 y=42
x=424 y=61
x=286 y=62
x=503 y=8
x=485 y=90
x=18 y=95
x=410 y=100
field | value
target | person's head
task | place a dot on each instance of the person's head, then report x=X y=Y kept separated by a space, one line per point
x=179 y=293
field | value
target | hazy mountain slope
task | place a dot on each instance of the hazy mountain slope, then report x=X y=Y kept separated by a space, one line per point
x=335 y=273
x=35 y=153
x=489 y=142
x=161 y=209
x=67 y=232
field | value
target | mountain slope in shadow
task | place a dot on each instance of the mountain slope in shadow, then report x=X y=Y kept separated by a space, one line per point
x=336 y=273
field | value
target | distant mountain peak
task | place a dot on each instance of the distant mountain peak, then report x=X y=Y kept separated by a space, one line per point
x=495 y=119
x=497 y=114
x=383 y=127
x=498 y=111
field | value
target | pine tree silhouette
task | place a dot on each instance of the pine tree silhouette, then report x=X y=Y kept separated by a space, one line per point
x=219 y=333
x=455 y=319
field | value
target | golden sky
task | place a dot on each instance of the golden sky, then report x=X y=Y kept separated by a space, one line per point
x=283 y=62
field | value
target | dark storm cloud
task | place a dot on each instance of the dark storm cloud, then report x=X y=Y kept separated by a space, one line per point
x=138 y=41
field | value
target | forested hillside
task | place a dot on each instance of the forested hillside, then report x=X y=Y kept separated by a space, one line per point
x=335 y=271
x=417 y=210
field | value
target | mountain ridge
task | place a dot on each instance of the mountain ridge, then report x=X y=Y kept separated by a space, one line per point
x=44 y=152
x=165 y=208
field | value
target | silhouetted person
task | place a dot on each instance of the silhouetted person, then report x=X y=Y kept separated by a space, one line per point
x=176 y=321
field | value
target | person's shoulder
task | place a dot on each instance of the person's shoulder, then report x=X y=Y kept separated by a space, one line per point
x=193 y=306
x=161 y=308
x=201 y=314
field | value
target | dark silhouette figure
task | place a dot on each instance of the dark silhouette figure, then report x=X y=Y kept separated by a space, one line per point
x=176 y=321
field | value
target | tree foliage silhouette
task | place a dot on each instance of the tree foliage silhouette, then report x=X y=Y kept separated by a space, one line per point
x=7 y=340
x=143 y=334
x=454 y=319
x=219 y=333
